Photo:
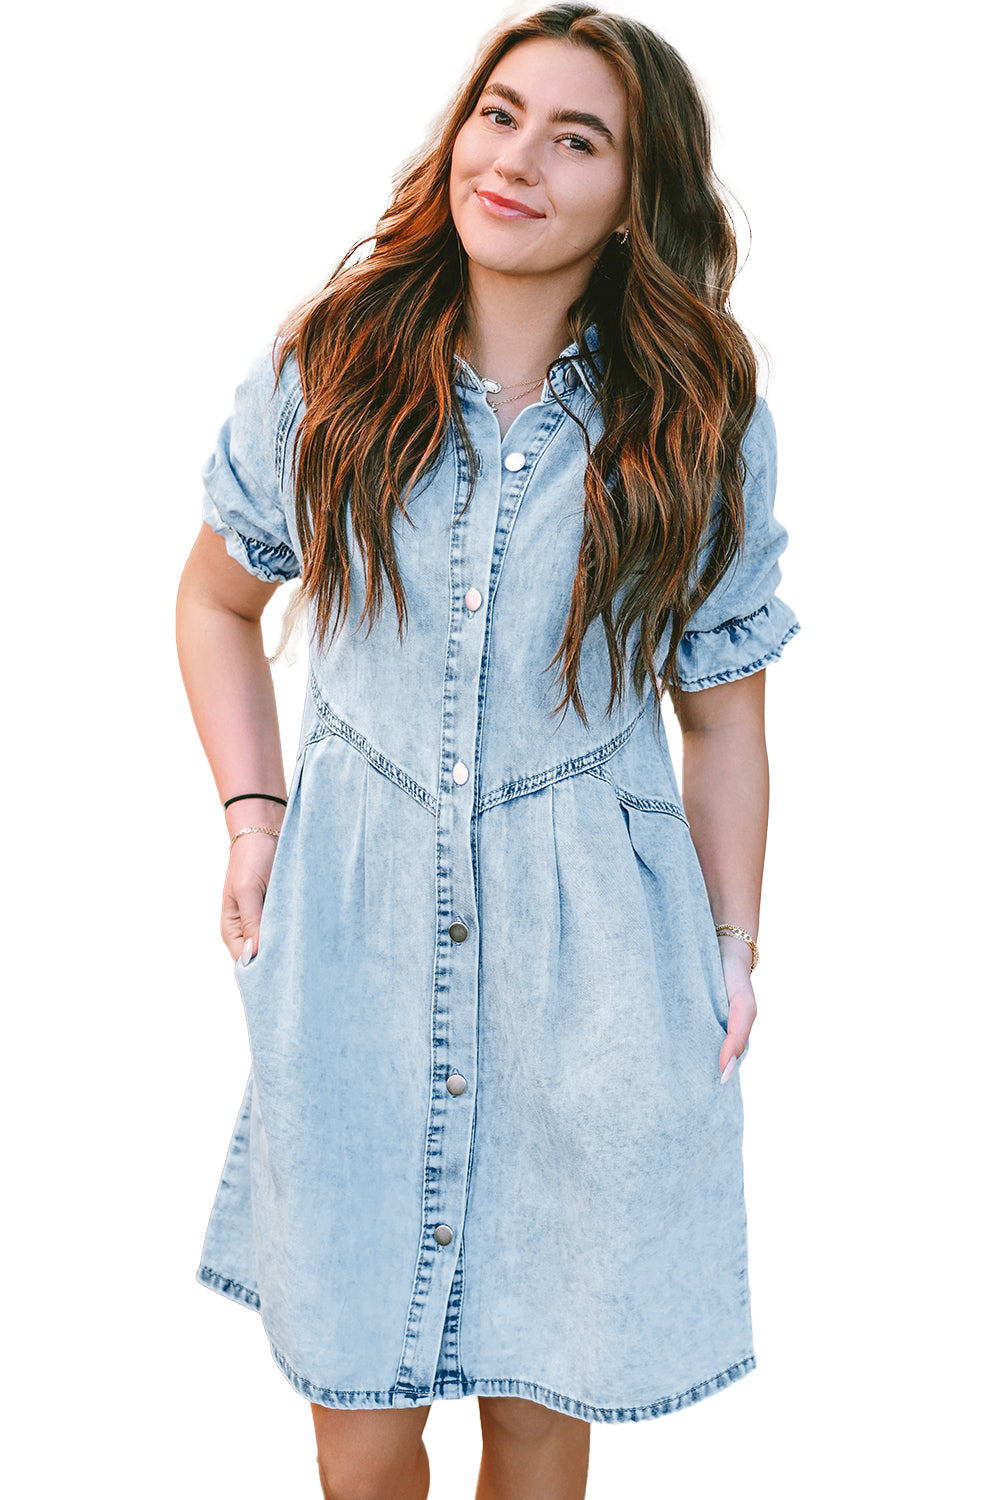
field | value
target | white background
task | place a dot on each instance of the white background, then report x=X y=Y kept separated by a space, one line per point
x=177 y=179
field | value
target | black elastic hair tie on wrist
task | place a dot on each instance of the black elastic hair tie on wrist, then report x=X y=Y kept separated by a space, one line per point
x=261 y=797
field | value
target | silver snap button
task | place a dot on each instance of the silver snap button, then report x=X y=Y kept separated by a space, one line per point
x=455 y=1083
x=573 y=379
x=460 y=773
x=443 y=1234
x=514 y=462
x=473 y=598
x=458 y=932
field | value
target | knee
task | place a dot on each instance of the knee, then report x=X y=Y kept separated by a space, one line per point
x=367 y=1455
x=338 y=1482
x=371 y=1480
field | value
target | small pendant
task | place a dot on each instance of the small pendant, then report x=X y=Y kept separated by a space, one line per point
x=492 y=386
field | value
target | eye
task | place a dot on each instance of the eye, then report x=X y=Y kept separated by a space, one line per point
x=581 y=146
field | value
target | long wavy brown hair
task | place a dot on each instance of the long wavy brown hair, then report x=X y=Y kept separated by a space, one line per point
x=376 y=346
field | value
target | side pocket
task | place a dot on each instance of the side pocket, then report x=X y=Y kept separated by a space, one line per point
x=270 y=913
x=265 y=936
x=678 y=903
x=240 y=969
x=724 y=1001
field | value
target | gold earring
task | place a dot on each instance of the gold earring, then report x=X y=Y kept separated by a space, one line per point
x=622 y=237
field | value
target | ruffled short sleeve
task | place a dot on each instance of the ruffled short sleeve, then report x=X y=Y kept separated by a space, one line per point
x=743 y=625
x=246 y=477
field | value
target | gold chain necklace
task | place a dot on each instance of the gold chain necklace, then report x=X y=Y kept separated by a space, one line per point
x=493 y=386
x=496 y=405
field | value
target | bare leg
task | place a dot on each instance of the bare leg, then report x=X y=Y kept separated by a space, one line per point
x=372 y=1454
x=530 y=1452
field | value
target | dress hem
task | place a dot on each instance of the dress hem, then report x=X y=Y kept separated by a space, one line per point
x=225 y=1285
x=455 y=1387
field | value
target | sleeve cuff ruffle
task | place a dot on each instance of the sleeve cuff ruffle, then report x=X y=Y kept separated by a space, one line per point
x=273 y=562
x=737 y=648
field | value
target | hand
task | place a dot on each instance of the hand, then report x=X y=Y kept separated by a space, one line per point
x=250 y=861
x=736 y=956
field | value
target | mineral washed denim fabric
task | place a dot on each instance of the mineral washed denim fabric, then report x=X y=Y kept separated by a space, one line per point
x=484 y=1148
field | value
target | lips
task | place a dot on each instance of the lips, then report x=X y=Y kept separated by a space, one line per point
x=506 y=208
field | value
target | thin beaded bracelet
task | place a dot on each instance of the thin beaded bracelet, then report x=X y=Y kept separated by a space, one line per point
x=740 y=933
x=260 y=797
x=274 y=832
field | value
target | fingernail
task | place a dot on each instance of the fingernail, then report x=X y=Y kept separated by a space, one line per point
x=728 y=1070
x=248 y=949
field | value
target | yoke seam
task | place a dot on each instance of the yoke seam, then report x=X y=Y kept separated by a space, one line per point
x=524 y=785
x=336 y=725
x=633 y=799
x=520 y=787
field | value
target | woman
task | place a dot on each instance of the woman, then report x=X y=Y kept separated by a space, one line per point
x=491 y=1141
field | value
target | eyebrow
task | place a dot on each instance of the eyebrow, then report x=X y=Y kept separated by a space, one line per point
x=556 y=116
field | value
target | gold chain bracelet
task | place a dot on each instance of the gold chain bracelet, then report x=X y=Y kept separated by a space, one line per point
x=257 y=828
x=739 y=932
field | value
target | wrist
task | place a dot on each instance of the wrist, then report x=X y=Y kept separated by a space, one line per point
x=254 y=812
x=732 y=950
x=737 y=942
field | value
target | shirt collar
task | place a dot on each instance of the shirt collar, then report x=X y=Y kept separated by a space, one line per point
x=569 y=360
x=572 y=352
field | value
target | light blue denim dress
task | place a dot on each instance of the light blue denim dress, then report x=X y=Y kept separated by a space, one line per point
x=484 y=1147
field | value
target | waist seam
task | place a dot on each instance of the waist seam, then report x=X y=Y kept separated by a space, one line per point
x=522 y=786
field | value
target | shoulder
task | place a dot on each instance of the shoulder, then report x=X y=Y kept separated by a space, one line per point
x=758 y=443
x=260 y=389
x=272 y=407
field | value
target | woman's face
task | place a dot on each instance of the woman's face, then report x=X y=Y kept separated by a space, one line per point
x=567 y=177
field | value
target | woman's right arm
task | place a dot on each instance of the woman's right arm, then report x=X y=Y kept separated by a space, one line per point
x=228 y=681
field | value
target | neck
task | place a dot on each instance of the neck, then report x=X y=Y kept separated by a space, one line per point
x=514 y=326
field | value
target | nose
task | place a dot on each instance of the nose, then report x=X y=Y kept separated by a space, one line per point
x=518 y=159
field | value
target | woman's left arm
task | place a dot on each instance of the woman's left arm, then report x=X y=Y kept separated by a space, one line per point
x=725 y=792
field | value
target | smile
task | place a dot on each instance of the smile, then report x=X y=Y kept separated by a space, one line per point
x=504 y=208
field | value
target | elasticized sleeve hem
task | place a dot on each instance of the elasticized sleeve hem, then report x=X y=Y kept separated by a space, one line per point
x=246 y=497
x=736 y=648
x=272 y=562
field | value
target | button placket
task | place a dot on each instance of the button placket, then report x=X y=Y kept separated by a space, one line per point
x=456 y=971
x=478 y=535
